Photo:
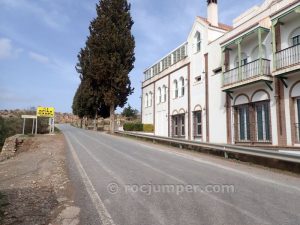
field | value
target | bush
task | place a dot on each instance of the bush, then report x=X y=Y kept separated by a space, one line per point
x=133 y=126
x=138 y=127
x=12 y=126
x=148 y=128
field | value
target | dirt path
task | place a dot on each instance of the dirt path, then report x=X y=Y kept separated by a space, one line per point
x=34 y=186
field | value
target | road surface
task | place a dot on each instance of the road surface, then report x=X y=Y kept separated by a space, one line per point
x=128 y=182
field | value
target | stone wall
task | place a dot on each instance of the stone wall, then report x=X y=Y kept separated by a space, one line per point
x=10 y=147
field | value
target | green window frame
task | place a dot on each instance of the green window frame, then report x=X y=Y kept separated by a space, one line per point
x=182 y=125
x=296 y=40
x=197 y=124
x=244 y=126
x=263 y=121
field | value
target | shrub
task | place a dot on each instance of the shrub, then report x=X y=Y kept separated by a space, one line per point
x=148 y=128
x=12 y=126
x=137 y=126
x=133 y=126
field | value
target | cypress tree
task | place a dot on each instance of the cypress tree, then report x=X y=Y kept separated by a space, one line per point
x=86 y=103
x=111 y=54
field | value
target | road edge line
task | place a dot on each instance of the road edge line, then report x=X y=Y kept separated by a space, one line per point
x=104 y=215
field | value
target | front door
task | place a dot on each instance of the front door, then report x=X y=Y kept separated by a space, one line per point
x=178 y=123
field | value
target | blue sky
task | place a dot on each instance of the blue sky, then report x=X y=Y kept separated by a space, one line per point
x=40 y=39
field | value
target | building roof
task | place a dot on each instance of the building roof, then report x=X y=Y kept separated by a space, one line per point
x=221 y=26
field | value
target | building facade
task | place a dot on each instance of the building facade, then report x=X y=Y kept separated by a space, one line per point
x=236 y=85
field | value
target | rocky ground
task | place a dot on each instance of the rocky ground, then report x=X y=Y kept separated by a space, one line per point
x=34 y=185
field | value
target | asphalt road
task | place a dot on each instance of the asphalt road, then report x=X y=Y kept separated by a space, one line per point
x=127 y=182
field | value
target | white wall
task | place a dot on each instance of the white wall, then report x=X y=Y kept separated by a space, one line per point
x=147 y=116
x=217 y=98
x=180 y=104
x=161 y=109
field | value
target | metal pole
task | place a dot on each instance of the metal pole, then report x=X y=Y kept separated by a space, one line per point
x=32 y=129
x=24 y=123
x=53 y=120
x=36 y=126
x=50 y=126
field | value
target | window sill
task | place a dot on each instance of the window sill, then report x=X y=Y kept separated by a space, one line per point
x=197 y=83
x=181 y=137
x=199 y=136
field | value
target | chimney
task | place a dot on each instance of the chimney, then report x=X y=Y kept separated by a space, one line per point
x=212 y=12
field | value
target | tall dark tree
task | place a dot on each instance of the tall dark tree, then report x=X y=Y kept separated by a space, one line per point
x=111 y=54
x=86 y=102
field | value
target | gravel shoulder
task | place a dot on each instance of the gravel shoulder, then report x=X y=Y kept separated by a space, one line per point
x=34 y=185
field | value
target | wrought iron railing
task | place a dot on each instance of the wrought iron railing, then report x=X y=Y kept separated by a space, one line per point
x=288 y=57
x=247 y=71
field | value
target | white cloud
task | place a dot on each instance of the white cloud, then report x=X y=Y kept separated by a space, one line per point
x=11 y=96
x=39 y=58
x=7 y=51
x=48 y=13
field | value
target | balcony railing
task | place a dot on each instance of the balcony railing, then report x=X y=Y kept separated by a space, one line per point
x=250 y=70
x=288 y=57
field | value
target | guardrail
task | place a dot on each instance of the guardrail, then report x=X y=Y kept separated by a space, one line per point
x=271 y=154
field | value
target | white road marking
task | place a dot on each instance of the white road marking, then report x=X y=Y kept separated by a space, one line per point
x=104 y=215
x=237 y=208
x=120 y=181
x=186 y=156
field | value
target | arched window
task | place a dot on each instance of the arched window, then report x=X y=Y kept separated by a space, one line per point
x=244 y=60
x=159 y=95
x=295 y=37
x=164 y=93
x=198 y=41
x=150 y=99
x=182 y=86
x=175 y=89
x=147 y=101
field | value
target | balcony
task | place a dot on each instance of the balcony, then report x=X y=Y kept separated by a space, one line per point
x=249 y=73
x=287 y=58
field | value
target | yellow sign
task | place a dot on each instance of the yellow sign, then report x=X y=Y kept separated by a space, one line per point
x=45 y=112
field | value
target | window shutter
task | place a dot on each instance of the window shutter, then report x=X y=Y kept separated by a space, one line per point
x=247 y=122
x=298 y=107
x=242 y=123
x=260 y=134
x=195 y=124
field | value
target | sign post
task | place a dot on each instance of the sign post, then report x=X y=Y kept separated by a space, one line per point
x=47 y=112
x=34 y=118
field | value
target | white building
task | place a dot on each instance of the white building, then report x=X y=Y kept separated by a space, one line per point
x=225 y=84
